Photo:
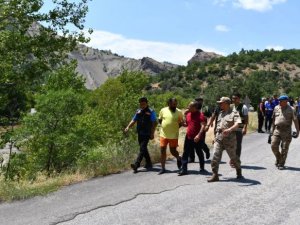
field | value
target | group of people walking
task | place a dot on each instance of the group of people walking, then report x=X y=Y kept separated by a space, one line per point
x=230 y=120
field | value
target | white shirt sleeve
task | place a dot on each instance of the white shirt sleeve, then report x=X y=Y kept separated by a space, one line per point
x=245 y=110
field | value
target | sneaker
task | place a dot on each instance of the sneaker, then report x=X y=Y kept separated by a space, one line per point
x=162 y=171
x=134 y=167
x=179 y=163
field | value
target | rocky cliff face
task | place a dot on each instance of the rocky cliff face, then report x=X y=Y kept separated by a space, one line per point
x=202 y=56
x=98 y=65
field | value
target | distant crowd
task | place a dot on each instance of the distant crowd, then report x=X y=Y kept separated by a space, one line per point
x=266 y=108
x=229 y=120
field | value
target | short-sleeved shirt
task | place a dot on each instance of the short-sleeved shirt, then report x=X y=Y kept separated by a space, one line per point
x=275 y=102
x=269 y=107
x=145 y=119
x=194 y=121
x=243 y=111
x=283 y=118
x=170 y=123
x=206 y=111
x=228 y=119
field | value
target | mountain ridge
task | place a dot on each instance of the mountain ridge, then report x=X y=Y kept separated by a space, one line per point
x=97 y=66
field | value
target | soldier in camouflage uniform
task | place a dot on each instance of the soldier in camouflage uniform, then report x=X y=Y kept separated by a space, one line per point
x=283 y=116
x=228 y=121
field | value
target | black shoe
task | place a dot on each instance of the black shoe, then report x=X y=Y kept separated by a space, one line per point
x=134 y=167
x=203 y=170
x=162 y=171
x=260 y=131
x=207 y=154
x=179 y=163
x=182 y=173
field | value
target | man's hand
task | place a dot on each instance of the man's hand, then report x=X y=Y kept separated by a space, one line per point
x=151 y=136
x=226 y=132
x=126 y=130
x=244 y=131
x=206 y=128
x=197 y=139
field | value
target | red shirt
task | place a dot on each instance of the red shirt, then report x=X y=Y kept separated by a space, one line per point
x=194 y=121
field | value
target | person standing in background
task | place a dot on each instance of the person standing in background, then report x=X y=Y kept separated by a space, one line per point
x=261 y=115
x=269 y=107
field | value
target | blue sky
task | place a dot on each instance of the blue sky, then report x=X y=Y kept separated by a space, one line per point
x=171 y=30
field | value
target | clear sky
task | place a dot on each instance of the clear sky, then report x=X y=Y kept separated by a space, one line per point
x=171 y=30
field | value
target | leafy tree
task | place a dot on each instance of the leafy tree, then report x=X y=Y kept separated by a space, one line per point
x=30 y=45
x=33 y=43
x=53 y=140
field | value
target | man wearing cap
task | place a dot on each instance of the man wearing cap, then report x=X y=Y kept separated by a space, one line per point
x=146 y=124
x=283 y=117
x=227 y=122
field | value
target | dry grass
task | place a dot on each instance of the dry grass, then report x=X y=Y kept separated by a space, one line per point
x=43 y=185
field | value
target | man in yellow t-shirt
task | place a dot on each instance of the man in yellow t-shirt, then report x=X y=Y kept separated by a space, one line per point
x=170 y=119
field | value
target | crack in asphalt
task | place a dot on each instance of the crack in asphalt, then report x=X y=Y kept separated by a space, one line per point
x=73 y=216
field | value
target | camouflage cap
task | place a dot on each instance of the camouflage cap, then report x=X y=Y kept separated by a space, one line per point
x=224 y=99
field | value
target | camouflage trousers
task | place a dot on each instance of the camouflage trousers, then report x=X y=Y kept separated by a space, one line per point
x=228 y=144
x=285 y=139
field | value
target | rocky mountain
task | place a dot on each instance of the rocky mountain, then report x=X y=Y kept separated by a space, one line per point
x=202 y=56
x=98 y=65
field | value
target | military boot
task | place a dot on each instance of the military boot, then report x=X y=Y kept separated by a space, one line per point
x=239 y=173
x=214 y=178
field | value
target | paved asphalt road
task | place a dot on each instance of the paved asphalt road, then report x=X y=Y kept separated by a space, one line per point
x=265 y=196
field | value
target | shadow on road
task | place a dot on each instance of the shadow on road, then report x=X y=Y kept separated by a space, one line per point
x=253 y=167
x=197 y=172
x=152 y=170
x=292 y=168
x=244 y=181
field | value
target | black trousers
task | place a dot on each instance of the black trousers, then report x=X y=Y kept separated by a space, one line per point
x=204 y=148
x=268 y=122
x=260 y=122
x=143 y=142
x=190 y=145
